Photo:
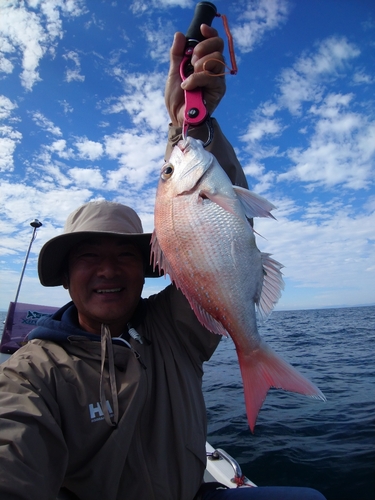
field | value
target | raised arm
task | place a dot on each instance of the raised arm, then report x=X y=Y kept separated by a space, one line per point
x=208 y=52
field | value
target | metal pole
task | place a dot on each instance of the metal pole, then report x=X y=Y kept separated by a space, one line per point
x=35 y=224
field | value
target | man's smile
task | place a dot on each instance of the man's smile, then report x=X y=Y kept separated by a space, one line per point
x=109 y=290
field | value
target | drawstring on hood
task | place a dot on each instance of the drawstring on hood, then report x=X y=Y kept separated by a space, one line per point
x=106 y=346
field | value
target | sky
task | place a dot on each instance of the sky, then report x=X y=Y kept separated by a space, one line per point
x=82 y=117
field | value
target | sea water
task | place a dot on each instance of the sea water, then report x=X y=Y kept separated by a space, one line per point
x=298 y=440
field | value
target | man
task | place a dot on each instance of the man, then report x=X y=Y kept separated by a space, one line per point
x=105 y=400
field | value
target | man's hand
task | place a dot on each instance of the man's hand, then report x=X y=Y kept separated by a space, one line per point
x=213 y=86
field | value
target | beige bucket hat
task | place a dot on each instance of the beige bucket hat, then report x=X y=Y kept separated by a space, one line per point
x=91 y=219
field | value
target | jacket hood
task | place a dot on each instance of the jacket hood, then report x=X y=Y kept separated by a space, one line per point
x=60 y=326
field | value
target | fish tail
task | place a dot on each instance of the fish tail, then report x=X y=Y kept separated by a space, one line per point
x=263 y=369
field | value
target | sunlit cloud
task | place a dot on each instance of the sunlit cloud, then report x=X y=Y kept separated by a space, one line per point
x=139 y=7
x=304 y=81
x=32 y=32
x=73 y=74
x=159 y=39
x=89 y=150
x=143 y=100
x=339 y=146
x=258 y=18
x=6 y=107
x=87 y=177
x=7 y=147
x=341 y=150
x=139 y=156
x=46 y=124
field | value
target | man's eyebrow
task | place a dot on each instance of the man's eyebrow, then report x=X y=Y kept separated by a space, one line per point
x=89 y=241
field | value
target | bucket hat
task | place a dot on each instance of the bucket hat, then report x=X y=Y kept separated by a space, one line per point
x=92 y=219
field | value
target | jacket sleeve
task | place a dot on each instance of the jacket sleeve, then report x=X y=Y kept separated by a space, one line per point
x=33 y=453
x=181 y=321
x=220 y=147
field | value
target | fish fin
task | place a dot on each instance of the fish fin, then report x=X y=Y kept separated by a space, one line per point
x=253 y=204
x=207 y=320
x=263 y=369
x=225 y=202
x=157 y=257
x=272 y=286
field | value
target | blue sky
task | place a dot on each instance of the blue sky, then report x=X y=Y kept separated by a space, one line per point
x=82 y=117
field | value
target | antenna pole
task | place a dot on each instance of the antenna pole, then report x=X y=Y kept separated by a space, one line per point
x=35 y=224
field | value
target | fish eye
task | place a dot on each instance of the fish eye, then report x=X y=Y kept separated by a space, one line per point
x=167 y=171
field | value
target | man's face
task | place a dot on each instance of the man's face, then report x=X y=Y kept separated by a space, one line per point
x=106 y=277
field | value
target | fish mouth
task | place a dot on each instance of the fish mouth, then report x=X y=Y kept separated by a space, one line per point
x=183 y=145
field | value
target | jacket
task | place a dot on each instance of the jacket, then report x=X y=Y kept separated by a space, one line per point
x=53 y=431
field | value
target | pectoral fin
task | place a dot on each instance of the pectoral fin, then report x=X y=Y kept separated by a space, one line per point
x=272 y=286
x=253 y=204
x=227 y=203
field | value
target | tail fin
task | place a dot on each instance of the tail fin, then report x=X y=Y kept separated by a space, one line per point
x=263 y=369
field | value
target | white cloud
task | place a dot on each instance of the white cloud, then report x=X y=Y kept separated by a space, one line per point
x=303 y=82
x=10 y=132
x=326 y=250
x=21 y=202
x=53 y=176
x=9 y=137
x=6 y=107
x=259 y=17
x=68 y=108
x=89 y=150
x=139 y=7
x=7 y=148
x=139 y=156
x=87 y=177
x=260 y=128
x=341 y=149
x=143 y=100
x=22 y=30
x=59 y=147
x=363 y=78
x=73 y=74
x=46 y=124
x=159 y=39
x=32 y=32
x=266 y=180
x=6 y=66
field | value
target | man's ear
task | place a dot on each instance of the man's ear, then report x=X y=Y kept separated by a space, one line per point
x=65 y=280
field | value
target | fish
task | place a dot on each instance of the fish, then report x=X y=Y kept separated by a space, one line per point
x=204 y=240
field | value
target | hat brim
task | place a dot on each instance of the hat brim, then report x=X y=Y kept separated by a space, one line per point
x=53 y=254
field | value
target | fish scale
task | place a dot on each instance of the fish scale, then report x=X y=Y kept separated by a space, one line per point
x=204 y=241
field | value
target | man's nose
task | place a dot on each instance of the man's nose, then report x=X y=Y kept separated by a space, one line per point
x=108 y=267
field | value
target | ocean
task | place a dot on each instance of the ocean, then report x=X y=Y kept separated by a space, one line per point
x=298 y=440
